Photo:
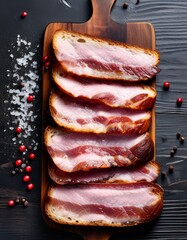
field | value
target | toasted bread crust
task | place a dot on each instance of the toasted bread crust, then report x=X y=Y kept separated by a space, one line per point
x=66 y=33
x=103 y=42
x=53 y=213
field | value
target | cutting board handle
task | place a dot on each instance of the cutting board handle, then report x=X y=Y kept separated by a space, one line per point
x=101 y=11
x=97 y=236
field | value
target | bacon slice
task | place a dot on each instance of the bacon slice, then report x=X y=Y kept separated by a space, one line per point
x=96 y=118
x=72 y=152
x=97 y=58
x=147 y=172
x=104 y=204
x=137 y=97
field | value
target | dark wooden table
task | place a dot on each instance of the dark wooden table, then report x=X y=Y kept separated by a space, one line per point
x=170 y=21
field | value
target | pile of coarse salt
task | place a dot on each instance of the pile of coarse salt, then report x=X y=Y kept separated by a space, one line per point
x=23 y=78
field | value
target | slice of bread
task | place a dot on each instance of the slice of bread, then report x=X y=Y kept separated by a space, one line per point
x=92 y=57
x=80 y=205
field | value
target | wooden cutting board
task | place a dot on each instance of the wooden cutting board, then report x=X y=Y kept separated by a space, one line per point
x=101 y=25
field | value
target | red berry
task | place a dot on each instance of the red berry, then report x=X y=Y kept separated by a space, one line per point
x=30 y=186
x=45 y=58
x=179 y=101
x=18 y=130
x=26 y=178
x=18 y=162
x=11 y=203
x=47 y=64
x=22 y=148
x=30 y=98
x=166 y=85
x=28 y=168
x=31 y=155
x=24 y=14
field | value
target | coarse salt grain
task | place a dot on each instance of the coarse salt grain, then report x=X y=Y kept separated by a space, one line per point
x=24 y=69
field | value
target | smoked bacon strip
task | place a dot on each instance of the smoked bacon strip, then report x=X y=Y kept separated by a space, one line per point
x=148 y=172
x=113 y=94
x=72 y=151
x=97 y=58
x=114 y=205
x=80 y=116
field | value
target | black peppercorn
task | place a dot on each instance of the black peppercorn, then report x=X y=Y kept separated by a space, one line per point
x=182 y=140
x=137 y=2
x=178 y=135
x=175 y=149
x=26 y=203
x=163 y=174
x=172 y=153
x=22 y=84
x=30 y=147
x=23 y=200
x=170 y=169
x=16 y=169
x=17 y=200
x=125 y=5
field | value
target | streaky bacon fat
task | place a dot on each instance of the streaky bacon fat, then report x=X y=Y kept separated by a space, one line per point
x=104 y=204
x=147 y=172
x=87 y=56
x=72 y=151
x=131 y=96
x=81 y=116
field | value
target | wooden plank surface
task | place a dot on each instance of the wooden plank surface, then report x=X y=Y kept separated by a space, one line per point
x=100 y=25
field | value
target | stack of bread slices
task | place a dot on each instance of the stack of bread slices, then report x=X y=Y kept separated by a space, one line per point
x=102 y=162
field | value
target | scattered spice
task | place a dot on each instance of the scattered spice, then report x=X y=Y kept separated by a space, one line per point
x=170 y=169
x=13 y=172
x=175 y=149
x=163 y=174
x=125 y=5
x=11 y=203
x=23 y=165
x=24 y=14
x=166 y=86
x=30 y=186
x=21 y=85
x=26 y=178
x=137 y=2
x=179 y=101
x=23 y=81
x=18 y=130
x=22 y=148
x=178 y=134
x=17 y=200
x=31 y=156
x=45 y=58
x=47 y=64
x=182 y=140
x=23 y=200
x=18 y=162
x=30 y=147
x=26 y=203
x=172 y=153
x=30 y=98
x=28 y=169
